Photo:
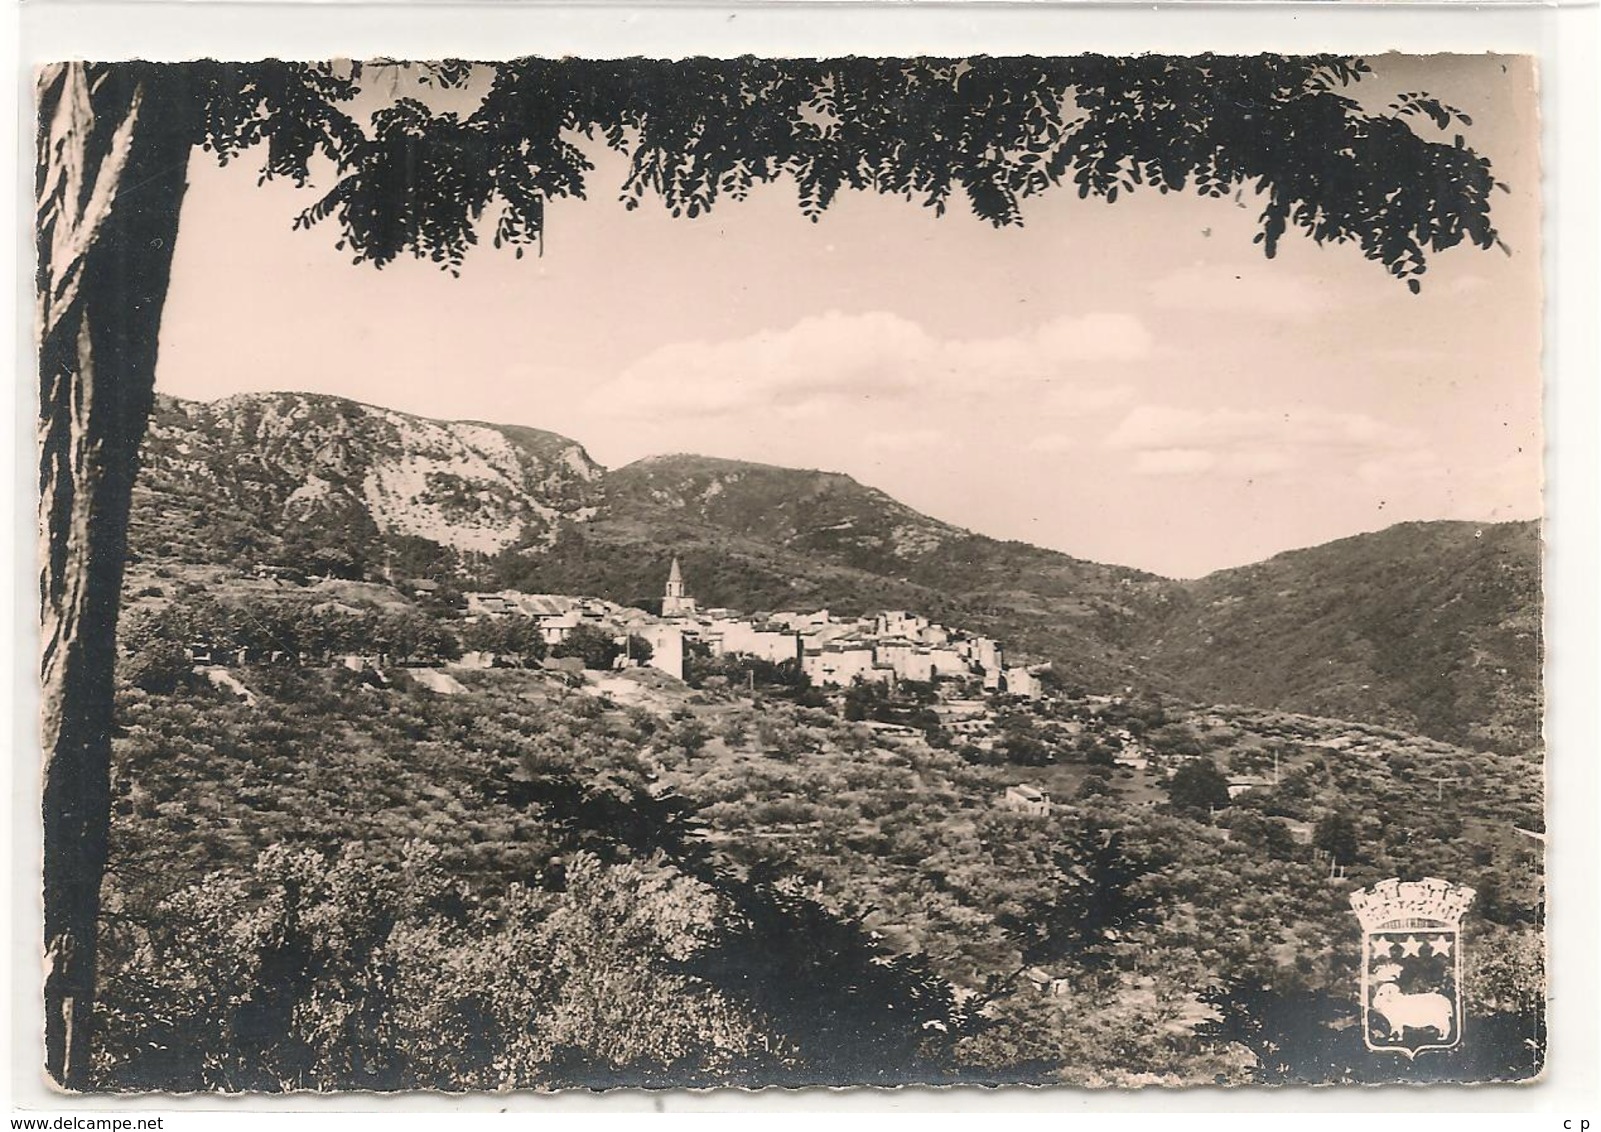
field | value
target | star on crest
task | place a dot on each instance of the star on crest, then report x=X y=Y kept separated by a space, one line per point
x=1410 y=946
x=1440 y=945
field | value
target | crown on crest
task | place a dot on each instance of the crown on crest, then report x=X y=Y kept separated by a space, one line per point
x=1395 y=900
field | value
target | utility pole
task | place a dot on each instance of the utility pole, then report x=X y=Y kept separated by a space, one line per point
x=1439 y=781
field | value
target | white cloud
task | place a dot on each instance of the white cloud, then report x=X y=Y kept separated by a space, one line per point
x=1095 y=337
x=835 y=360
x=1168 y=440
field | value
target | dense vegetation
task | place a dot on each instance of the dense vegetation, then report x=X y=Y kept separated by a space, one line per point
x=1430 y=627
x=552 y=880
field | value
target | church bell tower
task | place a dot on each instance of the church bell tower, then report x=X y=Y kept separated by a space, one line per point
x=675 y=603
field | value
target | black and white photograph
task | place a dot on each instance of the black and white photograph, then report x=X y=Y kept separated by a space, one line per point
x=578 y=573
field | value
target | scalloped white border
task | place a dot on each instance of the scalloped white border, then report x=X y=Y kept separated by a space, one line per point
x=1563 y=37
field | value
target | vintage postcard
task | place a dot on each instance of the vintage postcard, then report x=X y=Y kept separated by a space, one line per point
x=574 y=573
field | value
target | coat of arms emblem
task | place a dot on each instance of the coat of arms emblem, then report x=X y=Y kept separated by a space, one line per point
x=1412 y=964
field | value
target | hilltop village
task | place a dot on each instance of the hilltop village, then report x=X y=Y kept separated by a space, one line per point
x=902 y=678
x=835 y=651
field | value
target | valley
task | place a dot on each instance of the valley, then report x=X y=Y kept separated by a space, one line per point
x=1429 y=627
x=1041 y=899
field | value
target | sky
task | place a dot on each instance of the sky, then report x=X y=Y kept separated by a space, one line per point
x=1131 y=383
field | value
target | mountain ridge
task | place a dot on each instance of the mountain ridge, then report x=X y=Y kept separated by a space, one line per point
x=1448 y=609
x=1433 y=626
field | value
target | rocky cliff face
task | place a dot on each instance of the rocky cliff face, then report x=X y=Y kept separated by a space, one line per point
x=1433 y=627
x=324 y=462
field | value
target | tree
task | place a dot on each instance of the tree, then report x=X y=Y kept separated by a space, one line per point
x=1198 y=786
x=1174 y=738
x=1093 y=786
x=1335 y=834
x=622 y=940
x=1270 y=836
x=596 y=647
x=1095 y=899
x=517 y=638
x=1026 y=750
x=1096 y=751
x=115 y=139
x=158 y=666
x=689 y=735
x=639 y=648
x=863 y=698
x=328 y=561
x=405 y=635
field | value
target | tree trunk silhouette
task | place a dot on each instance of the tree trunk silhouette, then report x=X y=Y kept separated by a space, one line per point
x=114 y=144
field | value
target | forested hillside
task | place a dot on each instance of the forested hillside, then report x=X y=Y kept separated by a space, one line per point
x=1433 y=627
x=326 y=878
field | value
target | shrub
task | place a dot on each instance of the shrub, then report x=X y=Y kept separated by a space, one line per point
x=1198 y=786
x=158 y=666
